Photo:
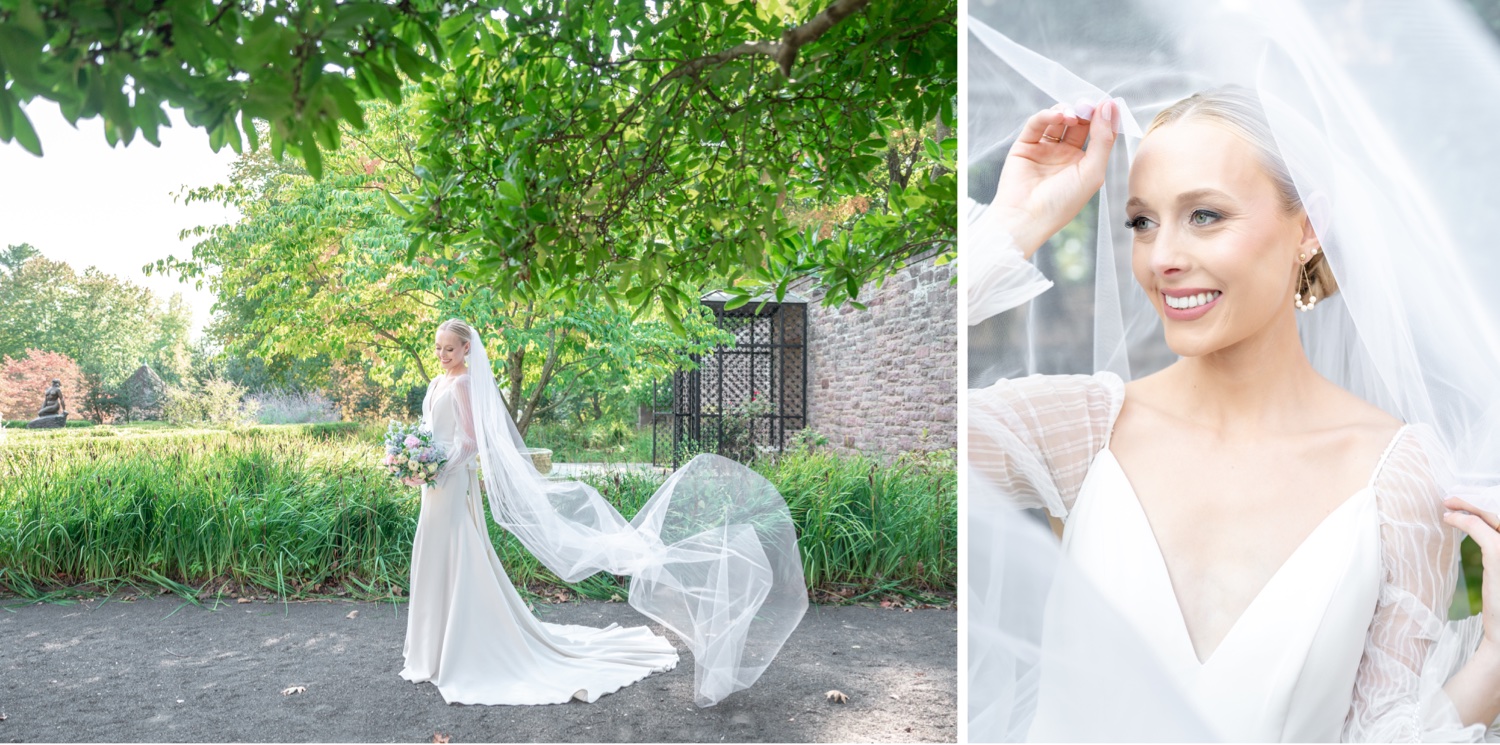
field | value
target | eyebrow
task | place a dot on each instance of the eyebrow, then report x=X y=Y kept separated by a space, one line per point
x=1187 y=196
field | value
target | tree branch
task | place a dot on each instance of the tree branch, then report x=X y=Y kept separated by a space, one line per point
x=795 y=39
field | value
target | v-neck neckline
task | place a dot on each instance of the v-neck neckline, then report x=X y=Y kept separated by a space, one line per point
x=1256 y=600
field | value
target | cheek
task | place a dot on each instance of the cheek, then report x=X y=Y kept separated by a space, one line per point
x=1140 y=265
x=1255 y=266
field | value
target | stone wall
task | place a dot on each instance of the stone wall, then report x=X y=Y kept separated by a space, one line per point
x=885 y=379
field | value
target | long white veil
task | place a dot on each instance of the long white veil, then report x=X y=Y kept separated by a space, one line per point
x=712 y=556
x=1384 y=111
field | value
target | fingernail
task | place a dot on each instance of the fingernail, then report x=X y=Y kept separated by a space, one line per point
x=1084 y=108
x=1106 y=112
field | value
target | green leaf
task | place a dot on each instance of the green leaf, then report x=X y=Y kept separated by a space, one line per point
x=312 y=157
x=24 y=133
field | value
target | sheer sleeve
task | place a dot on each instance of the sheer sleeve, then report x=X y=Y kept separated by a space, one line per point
x=1000 y=277
x=1033 y=439
x=1412 y=649
x=465 y=446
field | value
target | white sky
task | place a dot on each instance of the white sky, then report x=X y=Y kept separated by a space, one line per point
x=88 y=204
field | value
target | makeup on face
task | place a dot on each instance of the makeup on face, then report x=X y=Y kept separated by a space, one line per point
x=1207 y=221
x=450 y=353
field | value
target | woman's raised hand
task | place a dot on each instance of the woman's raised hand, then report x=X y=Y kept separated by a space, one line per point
x=1475 y=688
x=1048 y=175
x=1484 y=527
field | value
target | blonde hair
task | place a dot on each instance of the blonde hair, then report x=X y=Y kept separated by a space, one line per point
x=1238 y=110
x=458 y=328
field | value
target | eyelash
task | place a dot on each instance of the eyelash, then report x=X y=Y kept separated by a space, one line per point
x=1138 y=222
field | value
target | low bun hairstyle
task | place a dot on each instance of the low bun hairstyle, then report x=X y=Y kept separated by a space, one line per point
x=1238 y=110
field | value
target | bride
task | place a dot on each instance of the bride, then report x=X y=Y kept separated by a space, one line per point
x=712 y=555
x=1282 y=548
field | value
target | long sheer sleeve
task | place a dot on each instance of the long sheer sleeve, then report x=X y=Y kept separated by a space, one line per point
x=1034 y=438
x=999 y=276
x=465 y=445
x=1412 y=649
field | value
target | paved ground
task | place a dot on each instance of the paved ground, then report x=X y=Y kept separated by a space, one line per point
x=138 y=671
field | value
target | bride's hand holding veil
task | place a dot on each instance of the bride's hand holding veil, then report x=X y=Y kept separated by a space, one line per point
x=1475 y=690
x=1049 y=175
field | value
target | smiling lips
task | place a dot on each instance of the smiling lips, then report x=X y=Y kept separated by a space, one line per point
x=1188 y=304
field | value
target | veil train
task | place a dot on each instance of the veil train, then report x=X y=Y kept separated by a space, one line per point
x=712 y=555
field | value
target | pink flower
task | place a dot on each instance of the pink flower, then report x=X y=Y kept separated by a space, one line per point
x=389 y=459
x=412 y=441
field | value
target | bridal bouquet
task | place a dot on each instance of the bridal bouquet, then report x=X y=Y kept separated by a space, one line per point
x=411 y=456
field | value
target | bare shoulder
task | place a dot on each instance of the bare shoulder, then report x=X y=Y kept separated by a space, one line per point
x=1354 y=418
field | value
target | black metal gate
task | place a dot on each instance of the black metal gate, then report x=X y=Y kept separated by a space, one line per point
x=740 y=399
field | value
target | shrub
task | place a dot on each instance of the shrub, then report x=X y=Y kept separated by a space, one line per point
x=21 y=423
x=293 y=407
x=216 y=401
x=25 y=379
x=806 y=439
x=293 y=508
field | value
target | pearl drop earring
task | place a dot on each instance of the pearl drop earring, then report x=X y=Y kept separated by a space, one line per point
x=1307 y=278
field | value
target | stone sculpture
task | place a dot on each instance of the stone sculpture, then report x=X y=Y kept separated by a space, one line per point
x=54 y=412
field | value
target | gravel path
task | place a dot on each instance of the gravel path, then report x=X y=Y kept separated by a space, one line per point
x=154 y=670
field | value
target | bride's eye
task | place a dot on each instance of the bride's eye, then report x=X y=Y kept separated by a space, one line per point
x=1139 y=223
x=1204 y=217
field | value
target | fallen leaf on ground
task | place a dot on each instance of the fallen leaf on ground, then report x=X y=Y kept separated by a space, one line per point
x=243 y=600
x=838 y=697
x=440 y=738
x=292 y=690
x=353 y=614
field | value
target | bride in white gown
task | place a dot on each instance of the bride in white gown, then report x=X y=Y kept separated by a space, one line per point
x=1282 y=549
x=713 y=557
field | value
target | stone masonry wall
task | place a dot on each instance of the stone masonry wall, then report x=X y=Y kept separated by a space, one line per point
x=878 y=379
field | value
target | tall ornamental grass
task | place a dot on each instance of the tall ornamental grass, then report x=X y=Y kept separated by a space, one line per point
x=306 y=509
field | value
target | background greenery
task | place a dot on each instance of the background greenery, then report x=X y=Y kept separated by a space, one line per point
x=296 y=510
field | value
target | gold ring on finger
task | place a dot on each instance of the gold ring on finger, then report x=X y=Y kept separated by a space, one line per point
x=1051 y=139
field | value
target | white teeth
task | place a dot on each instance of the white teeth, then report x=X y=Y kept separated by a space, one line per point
x=1191 y=301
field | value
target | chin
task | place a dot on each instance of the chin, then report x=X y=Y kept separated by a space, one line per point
x=1191 y=342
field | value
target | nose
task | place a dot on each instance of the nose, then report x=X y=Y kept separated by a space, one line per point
x=1169 y=255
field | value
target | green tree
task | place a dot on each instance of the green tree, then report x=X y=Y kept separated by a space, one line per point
x=316 y=269
x=301 y=66
x=639 y=152
x=14 y=256
x=625 y=151
x=108 y=325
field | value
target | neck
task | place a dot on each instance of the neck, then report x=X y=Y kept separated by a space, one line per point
x=1262 y=384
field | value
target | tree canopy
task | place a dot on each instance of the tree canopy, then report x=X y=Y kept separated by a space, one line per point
x=300 y=66
x=315 y=269
x=109 y=326
x=630 y=152
x=637 y=152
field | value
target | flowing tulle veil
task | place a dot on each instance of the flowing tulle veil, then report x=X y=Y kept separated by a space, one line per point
x=712 y=556
x=1382 y=111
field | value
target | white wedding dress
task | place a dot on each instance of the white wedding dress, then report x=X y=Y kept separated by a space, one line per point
x=468 y=631
x=1348 y=640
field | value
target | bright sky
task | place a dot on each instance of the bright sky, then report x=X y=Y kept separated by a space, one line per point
x=88 y=204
